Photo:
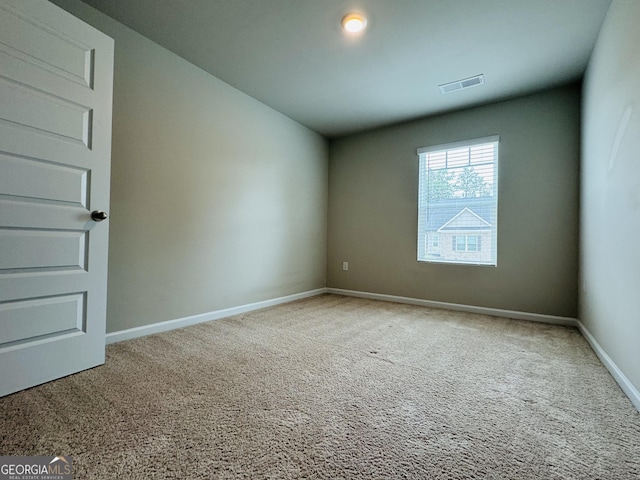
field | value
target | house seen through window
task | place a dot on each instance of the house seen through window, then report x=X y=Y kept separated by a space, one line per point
x=458 y=202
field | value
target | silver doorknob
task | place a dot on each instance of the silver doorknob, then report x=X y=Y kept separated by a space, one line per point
x=98 y=215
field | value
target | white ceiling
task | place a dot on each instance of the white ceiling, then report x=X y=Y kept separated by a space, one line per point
x=292 y=55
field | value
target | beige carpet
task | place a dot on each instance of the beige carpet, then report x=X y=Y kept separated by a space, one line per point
x=337 y=388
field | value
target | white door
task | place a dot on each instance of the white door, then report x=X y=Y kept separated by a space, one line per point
x=56 y=76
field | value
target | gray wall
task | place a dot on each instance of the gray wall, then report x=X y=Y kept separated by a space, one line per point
x=610 y=199
x=216 y=199
x=373 y=180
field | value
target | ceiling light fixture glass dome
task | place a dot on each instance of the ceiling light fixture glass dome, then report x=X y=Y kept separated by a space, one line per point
x=354 y=22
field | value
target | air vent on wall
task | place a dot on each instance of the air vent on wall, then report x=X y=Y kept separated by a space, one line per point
x=461 y=84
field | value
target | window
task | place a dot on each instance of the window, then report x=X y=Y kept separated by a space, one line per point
x=458 y=202
x=466 y=243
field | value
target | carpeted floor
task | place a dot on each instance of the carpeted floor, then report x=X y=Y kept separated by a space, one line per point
x=337 y=388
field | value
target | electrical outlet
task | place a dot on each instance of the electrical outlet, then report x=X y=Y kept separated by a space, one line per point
x=345 y=266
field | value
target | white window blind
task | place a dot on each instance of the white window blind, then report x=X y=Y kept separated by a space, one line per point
x=458 y=202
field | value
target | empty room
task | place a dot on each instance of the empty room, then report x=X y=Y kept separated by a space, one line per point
x=278 y=239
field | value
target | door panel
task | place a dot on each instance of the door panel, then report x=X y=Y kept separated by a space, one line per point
x=47 y=181
x=26 y=249
x=27 y=319
x=56 y=76
x=25 y=36
x=37 y=110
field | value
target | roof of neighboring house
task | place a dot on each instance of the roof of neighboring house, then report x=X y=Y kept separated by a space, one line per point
x=442 y=212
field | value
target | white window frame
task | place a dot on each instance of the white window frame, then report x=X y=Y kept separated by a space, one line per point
x=478 y=243
x=422 y=254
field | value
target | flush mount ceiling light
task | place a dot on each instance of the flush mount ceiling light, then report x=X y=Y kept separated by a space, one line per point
x=354 y=22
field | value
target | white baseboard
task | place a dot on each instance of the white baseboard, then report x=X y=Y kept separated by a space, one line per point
x=626 y=385
x=535 y=317
x=144 y=330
